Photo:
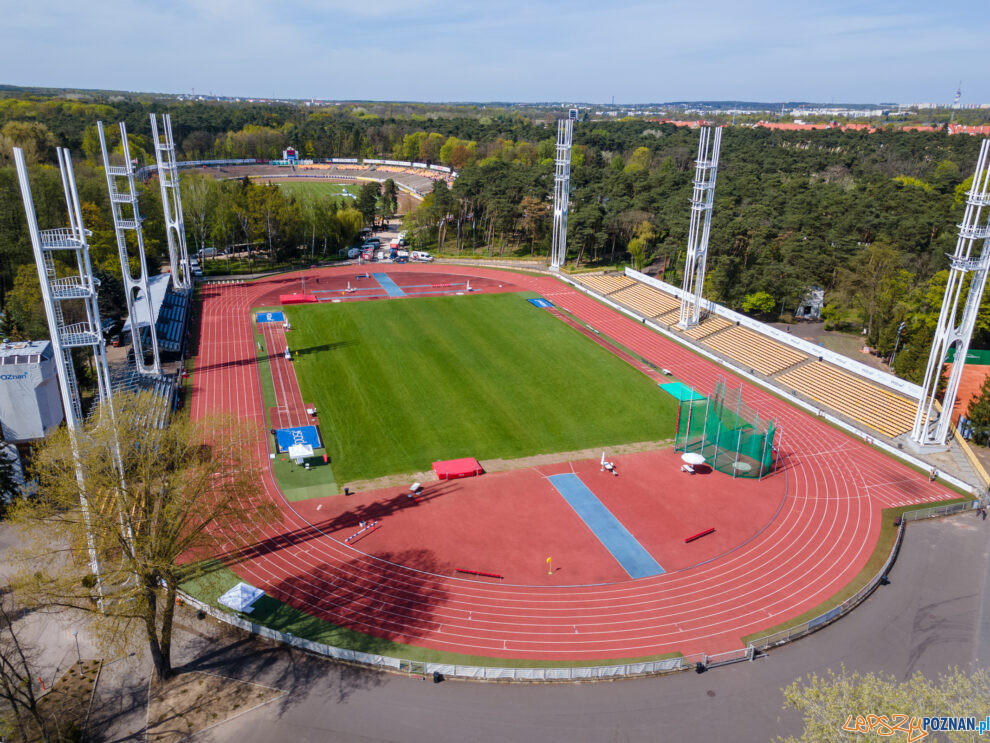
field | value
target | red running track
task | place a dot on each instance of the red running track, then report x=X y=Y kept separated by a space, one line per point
x=820 y=539
x=291 y=410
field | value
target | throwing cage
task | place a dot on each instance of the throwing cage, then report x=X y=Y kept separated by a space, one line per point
x=727 y=432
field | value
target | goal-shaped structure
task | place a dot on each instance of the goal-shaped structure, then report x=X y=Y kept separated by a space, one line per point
x=728 y=433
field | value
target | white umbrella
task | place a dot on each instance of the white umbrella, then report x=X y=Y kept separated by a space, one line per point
x=692 y=457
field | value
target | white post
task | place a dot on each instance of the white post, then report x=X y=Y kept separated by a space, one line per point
x=955 y=328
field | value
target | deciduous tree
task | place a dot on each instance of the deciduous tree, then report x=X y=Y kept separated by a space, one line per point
x=832 y=703
x=145 y=499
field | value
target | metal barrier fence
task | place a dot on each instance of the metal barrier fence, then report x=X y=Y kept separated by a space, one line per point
x=422 y=668
x=936 y=511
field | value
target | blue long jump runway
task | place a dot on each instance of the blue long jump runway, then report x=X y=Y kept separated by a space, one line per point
x=623 y=546
x=386 y=283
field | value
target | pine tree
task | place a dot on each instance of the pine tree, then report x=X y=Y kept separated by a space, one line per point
x=979 y=414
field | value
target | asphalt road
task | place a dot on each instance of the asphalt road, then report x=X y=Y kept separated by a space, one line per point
x=932 y=616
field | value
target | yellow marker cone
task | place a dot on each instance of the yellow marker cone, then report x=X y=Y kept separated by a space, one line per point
x=549 y=567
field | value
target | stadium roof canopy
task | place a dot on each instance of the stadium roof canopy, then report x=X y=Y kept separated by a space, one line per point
x=158 y=285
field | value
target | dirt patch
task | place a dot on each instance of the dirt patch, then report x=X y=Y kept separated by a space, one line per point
x=66 y=705
x=194 y=701
x=503 y=465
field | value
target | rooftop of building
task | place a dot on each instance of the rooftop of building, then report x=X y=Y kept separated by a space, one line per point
x=24 y=352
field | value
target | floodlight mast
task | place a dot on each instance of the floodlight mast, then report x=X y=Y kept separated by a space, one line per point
x=168 y=179
x=705 y=173
x=78 y=287
x=123 y=195
x=955 y=328
x=561 y=193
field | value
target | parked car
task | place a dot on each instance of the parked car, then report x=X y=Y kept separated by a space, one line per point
x=354 y=252
x=421 y=255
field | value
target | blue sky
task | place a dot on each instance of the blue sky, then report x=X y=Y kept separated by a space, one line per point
x=446 y=50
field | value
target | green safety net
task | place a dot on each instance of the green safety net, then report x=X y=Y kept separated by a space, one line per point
x=729 y=434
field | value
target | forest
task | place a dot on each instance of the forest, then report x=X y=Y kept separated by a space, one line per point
x=869 y=217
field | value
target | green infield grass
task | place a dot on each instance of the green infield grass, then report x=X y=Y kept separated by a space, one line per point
x=401 y=383
x=304 y=190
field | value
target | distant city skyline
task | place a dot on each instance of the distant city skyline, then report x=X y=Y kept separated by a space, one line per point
x=440 y=51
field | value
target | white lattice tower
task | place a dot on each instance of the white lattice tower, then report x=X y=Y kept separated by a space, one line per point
x=168 y=179
x=955 y=324
x=561 y=193
x=68 y=282
x=127 y=220
x=705 y=173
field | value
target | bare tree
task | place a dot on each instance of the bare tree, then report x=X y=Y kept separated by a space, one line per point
x=16 y=675
x=149 y=498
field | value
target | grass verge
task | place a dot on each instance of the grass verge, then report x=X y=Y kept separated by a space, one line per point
x=211 y=579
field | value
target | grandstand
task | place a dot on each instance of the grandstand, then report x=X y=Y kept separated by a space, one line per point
x=163 y=389
x=753 y=350
x=709 y=324
x=606 y=284
x=171 y=319
x=648 y=301
x=862 y=401
x=885 y=411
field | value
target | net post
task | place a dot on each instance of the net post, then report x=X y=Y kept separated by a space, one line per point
x=763 y=456
x=704 y=436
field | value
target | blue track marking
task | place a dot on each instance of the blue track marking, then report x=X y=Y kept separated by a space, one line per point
x=629 y=553
x=271 y=317
x=386 y=283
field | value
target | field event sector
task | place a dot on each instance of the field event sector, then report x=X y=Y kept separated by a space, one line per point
x=623 y=546
x=306 y=435
x=386 y=283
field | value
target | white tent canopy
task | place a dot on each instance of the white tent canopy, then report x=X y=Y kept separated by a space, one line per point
x=241 y=597
x=300 y=451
